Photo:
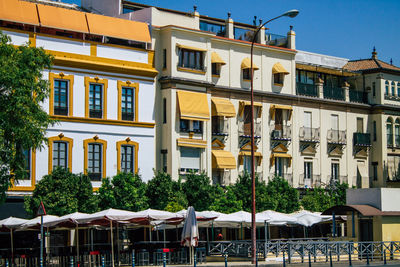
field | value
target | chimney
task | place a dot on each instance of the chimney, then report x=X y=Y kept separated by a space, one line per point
x=374 y=54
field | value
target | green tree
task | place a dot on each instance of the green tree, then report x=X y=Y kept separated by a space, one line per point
x=159 y=190
x=282 y=196
x=23 y=122
x=198 y=189
x=62 y=192
x=125 y=191
x=178 y=201
x=224 y=200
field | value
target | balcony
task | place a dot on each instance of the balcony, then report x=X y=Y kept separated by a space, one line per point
x=336 y=137
x=335 y=93
x=306 y=89
x=307 y=134
x=358 y=96
x=340 y=178
x=276 y=40
x=221 y=128
x=284 y=134
x=390 y=143
x=287 y=176
x=245 y=129
x=309 y=182
x=221 y=177
x=362 y=139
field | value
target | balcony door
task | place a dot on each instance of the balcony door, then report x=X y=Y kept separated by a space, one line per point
x=360 y=125
x=278 y=119
x=307 y=125
x=247 y=120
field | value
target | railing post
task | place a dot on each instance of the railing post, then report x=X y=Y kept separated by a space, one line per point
x=384 y=257
x=330 y=258
x=391 y=250
x=103 y=264
x=289 y=254
x=326 y=252
x=133 y=258
x=309 y=258
x=226 y=259
x=284 y=260
x=71 y=262
x=194 y=259
x=7 y=263
x=367 y=257
x=302 y=253
x=164 y=259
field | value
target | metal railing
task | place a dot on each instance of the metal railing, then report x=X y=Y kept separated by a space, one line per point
x=245 y=130
x=339 y=178
x=309 y=134
x=276 y=39
x=335 y=93
x=309 y=182
x=358 y=96
x=287 y=176
x=362 y=139
x=336 y=137
x=285 y=133
x=306 y=89
x=311 y=250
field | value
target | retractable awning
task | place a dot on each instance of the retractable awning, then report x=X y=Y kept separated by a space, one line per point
x=118 y=28
x=242 y=104
x=62 y=18
x=19 y=11
x=222 y=107
x=278 y=68
x=222 y=159
x=189 y=142
x=248 y=153
x=280 y=155
x=181 y=46
x=246 y=64
x=193 y=106
x=215 y=58
x=283 y=107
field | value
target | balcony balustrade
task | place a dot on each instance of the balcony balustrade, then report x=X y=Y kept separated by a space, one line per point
x=284 y=133
x=358 y=96
x=362 y=139
x=245 y=129
x=338 y=178
x=335 y=93
x=309 y=182
x=287 y=176
x=221 y=128
x=336 y=137
x=309 y=134
x=306 y=89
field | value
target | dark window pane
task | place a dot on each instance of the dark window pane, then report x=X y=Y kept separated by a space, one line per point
x=60 y=154
x=95 y=161
x=127 y=158
x=96 y=101
x=128 y=103
x=60 y=97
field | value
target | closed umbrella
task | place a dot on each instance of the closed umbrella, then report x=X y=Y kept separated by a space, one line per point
x=190 y=232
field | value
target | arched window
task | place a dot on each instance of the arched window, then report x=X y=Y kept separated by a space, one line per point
x=397 y=133
x=393 y=89
x=387 y=88
x=389 y=132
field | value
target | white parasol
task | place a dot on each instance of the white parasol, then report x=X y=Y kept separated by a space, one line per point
x=190 y=232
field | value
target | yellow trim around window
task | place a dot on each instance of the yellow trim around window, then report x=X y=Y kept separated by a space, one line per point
x=61 y=138
x=15 y=187
x=121 y=84
x=127 y=141
x=94 y=140
x=70 y=79
x=96 y=80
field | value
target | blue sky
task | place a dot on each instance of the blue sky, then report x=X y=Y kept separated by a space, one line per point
x=343 y=28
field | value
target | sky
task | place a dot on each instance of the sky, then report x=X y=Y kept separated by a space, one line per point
x=341 y=28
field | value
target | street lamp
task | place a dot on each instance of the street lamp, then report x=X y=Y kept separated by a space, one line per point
x=291 y=13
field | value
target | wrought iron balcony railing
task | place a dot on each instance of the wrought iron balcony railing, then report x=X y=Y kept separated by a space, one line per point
x=309 y=182
x=221 y=128
x=358 y=96
x=287 y=176
x=335 y=93
x=336 y=137
x=284 y=133
x=309 y=134
x=306 y=89
x=362 y=139
x=245 y=129
x=338 y=178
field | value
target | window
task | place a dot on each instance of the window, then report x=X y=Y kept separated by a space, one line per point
x=164 y=154
x=360 y=125
x=164 y=110
x=127 y=156
x=307 y=125
x=61 y=94
x=397 y=133
x=335 y=171
x=95 y=158
x=27 y=164
x=373 y=89
x=246 y=74
x=191 y=126
x=389 y=132
x=190 y=159
x=398 y=89
x=308 y=166
x=164 y=58
x=374 y=126
x=197 y=126
x=215 y=69
x=393 y=89
x=247 y=163
x=60 y=152
x=387 y=88
x=96 y=98
x=184 y=125
x=128 y=101
x=279 y=168
x=278 y=79
x=191 y=59
x=375 y=171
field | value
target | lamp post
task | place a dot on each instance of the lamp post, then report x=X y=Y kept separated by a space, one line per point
x=291 y=13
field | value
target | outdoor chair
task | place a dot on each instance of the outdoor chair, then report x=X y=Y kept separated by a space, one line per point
x=201 y=255
x=143 y=257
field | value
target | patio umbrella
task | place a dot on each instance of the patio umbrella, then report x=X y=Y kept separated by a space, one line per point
x=34 y=224
x=190 y=232
x=307 y=218
x=10 y=224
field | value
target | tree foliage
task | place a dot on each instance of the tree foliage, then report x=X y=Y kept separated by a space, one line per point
x=224 y=200
x=125 y=191
x=282 y=196
x=23 y=123
x=198 y=189
x=62 y=192
x=160 y=191
x=320 y=199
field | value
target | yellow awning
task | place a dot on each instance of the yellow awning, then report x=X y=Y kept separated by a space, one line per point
x=222 y=159
x=246 y=64
x=193 y=106
x=19 y=11
x=284 y=107
x=188 y=142
x=242 y=104
x=62 y=18
x=215 y=58
x=191 y=48
x=280 y=155
x=118 y=28
x=257 y=155
x=278 y=68
x=222 y=107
